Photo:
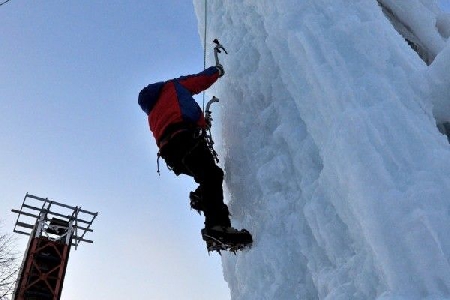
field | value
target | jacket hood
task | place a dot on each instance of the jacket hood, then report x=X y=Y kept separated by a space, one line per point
x=149 y=96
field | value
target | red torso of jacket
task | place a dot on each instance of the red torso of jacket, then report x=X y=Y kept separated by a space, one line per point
x=171 y=102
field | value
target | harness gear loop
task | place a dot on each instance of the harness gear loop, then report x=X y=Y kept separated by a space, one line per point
x=157 y=163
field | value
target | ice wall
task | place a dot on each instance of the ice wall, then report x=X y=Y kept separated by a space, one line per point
x=332 y=156
x=419 y=20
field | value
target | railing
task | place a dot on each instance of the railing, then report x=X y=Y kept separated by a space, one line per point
x=40 y=217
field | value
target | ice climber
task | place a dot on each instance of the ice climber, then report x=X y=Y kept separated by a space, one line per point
x=179 y=128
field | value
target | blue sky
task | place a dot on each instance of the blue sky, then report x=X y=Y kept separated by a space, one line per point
x=71 y=130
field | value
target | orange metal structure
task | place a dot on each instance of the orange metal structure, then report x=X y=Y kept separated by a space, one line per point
x=43 y=273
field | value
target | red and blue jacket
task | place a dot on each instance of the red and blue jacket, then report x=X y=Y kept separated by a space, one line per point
x=171 y=103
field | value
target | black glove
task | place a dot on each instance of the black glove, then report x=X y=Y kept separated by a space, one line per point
x=221 y=70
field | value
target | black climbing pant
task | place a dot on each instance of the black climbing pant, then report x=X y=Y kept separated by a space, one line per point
x=188 y=153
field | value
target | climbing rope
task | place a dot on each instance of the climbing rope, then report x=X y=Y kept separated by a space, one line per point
x=4 y=2
x=204 y=34
x=204 y=46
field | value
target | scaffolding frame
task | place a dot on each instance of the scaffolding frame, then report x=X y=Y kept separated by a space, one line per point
x=53 y=228
x=42 y=216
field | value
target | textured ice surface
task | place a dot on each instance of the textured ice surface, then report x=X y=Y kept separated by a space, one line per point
x=332 y=156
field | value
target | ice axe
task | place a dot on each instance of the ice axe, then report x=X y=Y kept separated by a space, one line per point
x=208 y=111
x=217 y=50
x=208 y=135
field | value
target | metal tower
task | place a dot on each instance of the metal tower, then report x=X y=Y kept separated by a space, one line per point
x=53 y=229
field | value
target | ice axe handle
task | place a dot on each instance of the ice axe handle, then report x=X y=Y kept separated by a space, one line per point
x=213 y=100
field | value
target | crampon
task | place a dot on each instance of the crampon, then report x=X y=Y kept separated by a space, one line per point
x=227 y=239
